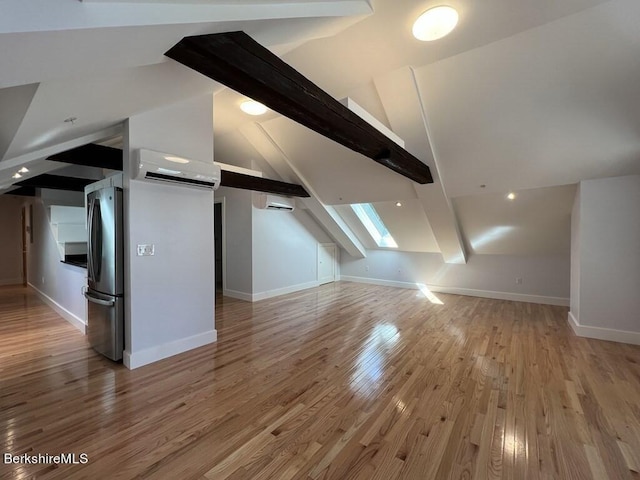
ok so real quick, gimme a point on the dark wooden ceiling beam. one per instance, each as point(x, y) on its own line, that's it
point(239, 62)
point(91, 155)
point(56, 182)
point(259, 184)
point(23, 192)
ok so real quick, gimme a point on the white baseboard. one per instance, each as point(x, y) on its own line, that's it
point(235, 294)
point(160, 352)
point(11, 281)
point(620, 336)
point(514, 297)
point(377, 281)
point(70, 317)
point(283, 291)
point(255, 297)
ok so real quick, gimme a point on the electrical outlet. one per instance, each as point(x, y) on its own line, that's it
point(518, 280)
point(366, 268)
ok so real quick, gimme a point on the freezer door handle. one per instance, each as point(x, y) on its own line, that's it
point(99, 301)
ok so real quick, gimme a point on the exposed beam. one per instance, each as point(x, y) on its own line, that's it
point(258, 184)
point(56, 182)
point(91, 155)
point(239, 62)
point(22, 191)
point(25, 160)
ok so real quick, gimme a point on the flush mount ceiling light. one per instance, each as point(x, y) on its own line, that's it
point(398, 204)
point(16, 176)
point(251, 107)
point(435, 23)
point(23, 170)
point(511, 196)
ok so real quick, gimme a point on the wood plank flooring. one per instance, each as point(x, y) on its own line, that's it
point(346, 381)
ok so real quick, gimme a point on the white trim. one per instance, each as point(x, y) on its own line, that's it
point(256, 297)
point(377, 281)
point(620, 336)
point(70, 317)
point(471, 292)
point(160, 352)
point(235, 294)
point(283, 291)
point(11, 281)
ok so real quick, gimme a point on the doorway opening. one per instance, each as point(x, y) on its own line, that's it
point(27, 221)
point(219, 244)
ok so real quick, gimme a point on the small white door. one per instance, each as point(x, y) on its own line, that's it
point(327, 263)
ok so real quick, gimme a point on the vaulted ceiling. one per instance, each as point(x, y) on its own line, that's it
point(530, 96)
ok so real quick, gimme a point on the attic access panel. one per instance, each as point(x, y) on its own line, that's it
point(239, 62)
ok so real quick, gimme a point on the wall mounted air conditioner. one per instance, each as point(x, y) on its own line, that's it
point(164, 167)
point(275, 202)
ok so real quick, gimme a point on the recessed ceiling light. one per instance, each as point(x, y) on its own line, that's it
point(511, 196)
point(435, 23)
point(23, 170)
point(16, 175)
point(398, 204)
point(252, 107)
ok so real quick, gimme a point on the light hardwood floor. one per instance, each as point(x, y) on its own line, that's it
point(346, 381)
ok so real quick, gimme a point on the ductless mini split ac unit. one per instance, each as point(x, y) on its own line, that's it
point(276, 202)
point(164, 167)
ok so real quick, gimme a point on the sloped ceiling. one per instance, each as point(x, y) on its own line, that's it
point(520, 97)
point(530, 96)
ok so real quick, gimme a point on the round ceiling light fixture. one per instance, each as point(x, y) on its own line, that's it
point(251, 107)
point(435, 23)
point(511, 196)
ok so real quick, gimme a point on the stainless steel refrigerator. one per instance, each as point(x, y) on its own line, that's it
point(105, 268)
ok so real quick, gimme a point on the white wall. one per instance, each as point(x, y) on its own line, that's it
point(10, 240)
point(545, 279)
point(268, 253)
point(169, 296)
point(58, 283)
point(608, 259)
point(285, 251)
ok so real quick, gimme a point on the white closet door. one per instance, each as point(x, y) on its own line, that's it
point(327, 262)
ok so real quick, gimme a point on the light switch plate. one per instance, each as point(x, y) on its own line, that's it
point(146, 250)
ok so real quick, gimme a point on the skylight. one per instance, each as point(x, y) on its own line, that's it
point(374, 225)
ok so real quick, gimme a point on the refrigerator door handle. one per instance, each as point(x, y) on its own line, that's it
point(98, 242)
point(90, 242)
point(99, 301)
